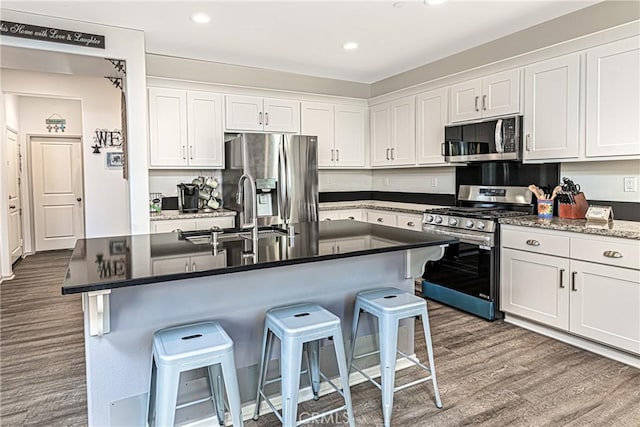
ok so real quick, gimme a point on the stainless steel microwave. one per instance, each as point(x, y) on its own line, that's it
point(496, 139)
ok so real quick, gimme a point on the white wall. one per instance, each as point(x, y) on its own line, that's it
point(106, 192)
point(165, 181)
point(604, 180)
point(344, 180)
point(11, 111)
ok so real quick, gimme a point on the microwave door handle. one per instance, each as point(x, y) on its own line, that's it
point(498, 137)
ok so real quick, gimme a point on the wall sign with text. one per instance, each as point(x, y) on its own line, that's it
point(49, 34)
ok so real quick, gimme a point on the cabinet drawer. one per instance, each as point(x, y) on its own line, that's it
point(171, 225)
point(533, 240)
point(354, 215)
point(616, 252)
point(382, 218)
point(222, 222)
point(329, 215)
point(410, 222)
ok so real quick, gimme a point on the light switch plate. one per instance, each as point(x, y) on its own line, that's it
point(630, 184)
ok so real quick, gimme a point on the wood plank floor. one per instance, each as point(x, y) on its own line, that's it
point(489, 373)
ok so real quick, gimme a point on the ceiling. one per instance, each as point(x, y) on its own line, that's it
point(306, 37)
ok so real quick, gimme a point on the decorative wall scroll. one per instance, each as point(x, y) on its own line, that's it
point(106, 138)
point(56, 122)
point(49, 34)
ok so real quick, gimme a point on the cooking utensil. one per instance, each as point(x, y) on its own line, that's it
point(555, 191)
point(536, 191)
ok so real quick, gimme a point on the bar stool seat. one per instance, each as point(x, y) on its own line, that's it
point(301, 327)
point(183, 348)
point(389, 306)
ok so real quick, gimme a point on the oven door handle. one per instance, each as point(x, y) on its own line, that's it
point(463, 237)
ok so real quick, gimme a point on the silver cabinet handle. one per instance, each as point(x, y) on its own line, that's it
point(260, 118)
point(411, 224)
point(186, 267)
point(476, 103)
point(573, 281)
point(528, 144)
point(484, 102)
point(532, 242)
point(193, 266)
point(191, 152)
point(332, 154)
point(266, 119)
point(380, 220)
point(388, 154)
point(337, 155)
point(352, 218)
point(612, 254)
point(184, 154)
point(562, 278)
point(393, 154)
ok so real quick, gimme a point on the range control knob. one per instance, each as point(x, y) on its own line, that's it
point(438, 220)
point(480, 225)
point(468, 224)
point(453, 221)
point(429, 218)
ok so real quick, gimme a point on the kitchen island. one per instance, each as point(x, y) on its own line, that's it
point(135, 285)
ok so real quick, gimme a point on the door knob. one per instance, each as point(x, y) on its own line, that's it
point(79, 199)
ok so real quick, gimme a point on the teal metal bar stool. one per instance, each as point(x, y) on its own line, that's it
point(183, 348)
point(299, 326)
point(389, 306)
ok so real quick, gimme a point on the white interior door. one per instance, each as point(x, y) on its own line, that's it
point(57, 192)
point(15, 204)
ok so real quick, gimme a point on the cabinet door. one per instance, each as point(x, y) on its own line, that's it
point(605, 304)
point(501, 94)
point(167, 127)
point(613, 100)
point(350, 130)
point(205, 133)
point(350, 245)
point(552, 108)
point(318, 119)
point(281, 115)
point(432, 118)
point(243, 113)
point(171, 265)
point(464, 101)
point(170, 225)
point(403, 131)
point(208, 261)
point(535, 286)
point(380, 135)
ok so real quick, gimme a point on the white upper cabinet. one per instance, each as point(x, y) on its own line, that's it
point(552, 109)
point(431, 119)
point(185, 129)
point(341, 133)
point(490, 96)
point(613, 99)
point(251, 113)
point(393, 133)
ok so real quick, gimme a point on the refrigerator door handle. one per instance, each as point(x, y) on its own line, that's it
point(287, 163)
point(285, 179)
point(282, 185)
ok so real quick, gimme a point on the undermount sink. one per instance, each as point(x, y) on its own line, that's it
point(204, 238)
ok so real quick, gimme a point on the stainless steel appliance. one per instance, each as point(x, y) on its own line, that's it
point(496, 139)
point(285, 171)
point(188, 198)
point(468, 275)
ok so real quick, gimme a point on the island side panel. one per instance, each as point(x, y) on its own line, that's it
point(118, 363)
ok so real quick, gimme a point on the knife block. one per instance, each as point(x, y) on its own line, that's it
point(576, 210)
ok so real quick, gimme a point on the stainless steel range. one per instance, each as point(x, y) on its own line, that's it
point(468, 275)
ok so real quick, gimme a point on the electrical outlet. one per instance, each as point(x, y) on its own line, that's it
point(630, 184)
point(434, 181)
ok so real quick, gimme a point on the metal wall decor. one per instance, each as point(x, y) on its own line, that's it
point(55, 122)
point(104, 138)
point(49, 34)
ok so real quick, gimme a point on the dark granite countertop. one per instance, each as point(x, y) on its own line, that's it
point(616, 228)
point(114, 262)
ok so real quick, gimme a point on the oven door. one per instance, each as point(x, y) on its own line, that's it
point(465, 278)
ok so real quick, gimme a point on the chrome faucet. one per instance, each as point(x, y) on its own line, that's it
point(254, 205)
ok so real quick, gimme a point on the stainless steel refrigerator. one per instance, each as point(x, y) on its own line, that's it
point(285, 170)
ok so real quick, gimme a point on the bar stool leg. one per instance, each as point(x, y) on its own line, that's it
point(233, 391)
point(167, 380)
point(343, 369)
point(354, 332)
point(217, 390)
point(388, 350)
point(432, 365)
point(290, 358)
point(264, 360)
point(313, 352)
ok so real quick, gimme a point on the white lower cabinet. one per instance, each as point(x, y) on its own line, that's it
point(409, 221)
point(352, 214)
point(188, 264)
point(382, 218)
point(168, 226)
point(593, 291)
point(340, 246)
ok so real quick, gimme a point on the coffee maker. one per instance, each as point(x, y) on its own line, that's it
point(188, 198)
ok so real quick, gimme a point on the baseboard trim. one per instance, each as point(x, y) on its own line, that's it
point(9, 277)
point(594, 347)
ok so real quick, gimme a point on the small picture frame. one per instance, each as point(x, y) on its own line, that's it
point(117, 247)
point(115, 159)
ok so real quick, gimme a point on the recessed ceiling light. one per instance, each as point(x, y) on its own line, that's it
point(434, 2)
point(350, 46)
point(201, 18)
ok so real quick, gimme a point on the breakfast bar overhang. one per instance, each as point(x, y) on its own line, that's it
point(133, 286)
